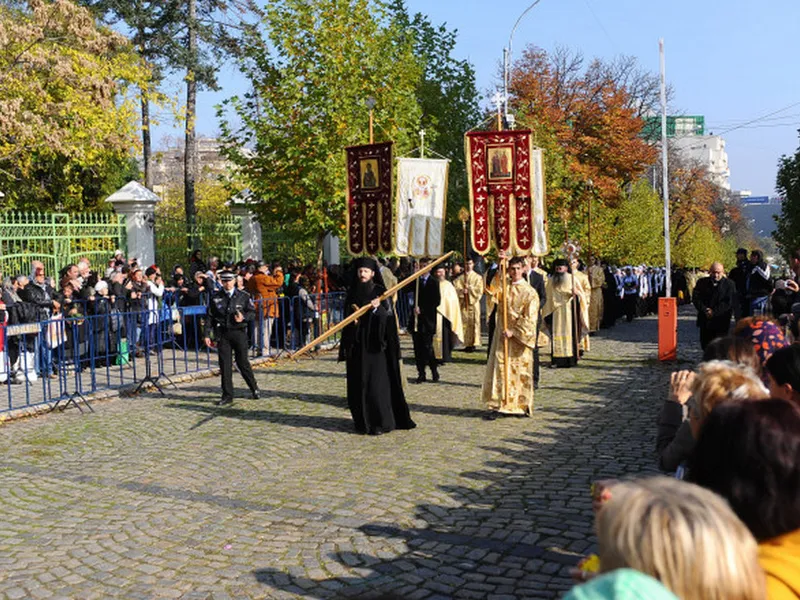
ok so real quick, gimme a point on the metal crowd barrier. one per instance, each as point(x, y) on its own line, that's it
point(67, 358)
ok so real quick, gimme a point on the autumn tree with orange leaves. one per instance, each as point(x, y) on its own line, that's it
point(588, 119)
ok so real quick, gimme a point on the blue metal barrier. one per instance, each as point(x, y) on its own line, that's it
point(55, 360)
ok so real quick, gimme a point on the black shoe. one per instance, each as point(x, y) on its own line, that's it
point(223, 401)
point(492, 415)
point(376, 432)
point(421, 379)
point(469, 349)
point(255, 394)
point(435, 376)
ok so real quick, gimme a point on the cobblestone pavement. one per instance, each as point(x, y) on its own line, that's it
point(277, 498)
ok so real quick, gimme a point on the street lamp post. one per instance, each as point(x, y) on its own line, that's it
point(507, 54)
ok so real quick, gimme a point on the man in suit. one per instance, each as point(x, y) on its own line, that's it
point(423, 324)
point(714, 297)
point(537, 281)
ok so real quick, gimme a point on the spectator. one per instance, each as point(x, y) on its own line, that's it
point(196, 263)
point(758, 284)
point(749, 453)
point(104, 325)
point(765, 335)
point(41, 294)
point(717, 381)
point(684, 536)
point(21, 349)
point(621, 584)
point(263, 287)
point(783, 374)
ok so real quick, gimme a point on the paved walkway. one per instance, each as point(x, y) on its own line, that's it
point(277, 498)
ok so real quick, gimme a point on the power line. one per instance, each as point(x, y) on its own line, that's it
point(758, 119)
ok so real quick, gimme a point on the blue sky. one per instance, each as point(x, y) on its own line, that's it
point(731, 61)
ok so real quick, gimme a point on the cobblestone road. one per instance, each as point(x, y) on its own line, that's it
point(276, 498)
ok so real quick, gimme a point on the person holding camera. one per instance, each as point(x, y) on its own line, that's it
point(229, 311)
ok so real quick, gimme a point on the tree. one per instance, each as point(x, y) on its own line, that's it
point(153, 26)
point(448, 98)
point(312, 66)
point(587, 120)
point(65, 111)
point(787, 232)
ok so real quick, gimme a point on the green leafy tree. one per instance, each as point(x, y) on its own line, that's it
point(448, 98)
point(66, 115)
point(787, 232)
point(152, 26)
point(312, 66)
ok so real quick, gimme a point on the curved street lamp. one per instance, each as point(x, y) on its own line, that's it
point(507, 53)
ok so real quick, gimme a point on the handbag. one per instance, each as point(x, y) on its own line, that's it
point(55, 331)
point(122, 352)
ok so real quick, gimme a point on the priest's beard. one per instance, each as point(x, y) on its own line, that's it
point(363, 292)
point(559, 278)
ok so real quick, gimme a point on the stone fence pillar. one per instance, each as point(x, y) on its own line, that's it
point(251, 228)
point(137, 204)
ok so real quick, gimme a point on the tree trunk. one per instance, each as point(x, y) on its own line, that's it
point(190, 150)
point(146, 143)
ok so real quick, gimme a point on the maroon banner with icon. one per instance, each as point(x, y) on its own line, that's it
point(500, 190)
point(369, 199)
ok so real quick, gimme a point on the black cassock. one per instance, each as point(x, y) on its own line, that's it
point(371, 349)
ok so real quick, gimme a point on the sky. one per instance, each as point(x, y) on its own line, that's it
point(733, 62)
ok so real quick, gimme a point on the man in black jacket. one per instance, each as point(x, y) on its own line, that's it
point(423, 324)
point(228, 313)
point(714, 297)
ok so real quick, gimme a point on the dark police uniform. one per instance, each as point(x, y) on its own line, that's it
point(231, 338)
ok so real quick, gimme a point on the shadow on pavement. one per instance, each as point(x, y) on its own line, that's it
point(517, 535)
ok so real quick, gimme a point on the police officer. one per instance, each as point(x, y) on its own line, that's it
point(229, 311)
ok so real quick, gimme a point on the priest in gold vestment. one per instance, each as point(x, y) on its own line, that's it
point(449, 329)
point(469, 286)
point(520, 331)
point(597, 278)
point(559, 312)
point(583, 291)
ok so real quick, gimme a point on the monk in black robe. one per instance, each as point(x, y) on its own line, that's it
point(371, 349)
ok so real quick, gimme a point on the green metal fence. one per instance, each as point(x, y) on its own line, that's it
point(58, 239)
point(222, 238)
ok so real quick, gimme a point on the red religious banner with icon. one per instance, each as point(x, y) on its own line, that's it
point(506, 192)
point(369, 199)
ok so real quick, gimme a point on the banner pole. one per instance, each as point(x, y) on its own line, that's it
point(505, 327)
point(363, 310)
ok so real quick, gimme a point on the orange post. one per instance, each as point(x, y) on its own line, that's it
point(667, 329)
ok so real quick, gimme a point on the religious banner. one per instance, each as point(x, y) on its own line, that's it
point(506, 192)
point(421, 203)
point(369, 199)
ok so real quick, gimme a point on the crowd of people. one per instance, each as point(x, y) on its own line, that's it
point(90, 316)
point(725, 520)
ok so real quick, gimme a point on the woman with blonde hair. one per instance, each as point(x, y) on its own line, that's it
point(684, 536)
point(716, 382)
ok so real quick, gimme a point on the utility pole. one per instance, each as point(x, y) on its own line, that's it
point(665, 173)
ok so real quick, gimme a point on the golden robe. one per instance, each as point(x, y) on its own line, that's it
point(450, 310)
point(559, 304)
point(523, 313)
point(469, 288)
point(598, 280)
point(583, 288)
point(544, 339)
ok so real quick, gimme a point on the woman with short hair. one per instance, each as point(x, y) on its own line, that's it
point(749, 453)
point(682, 535)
